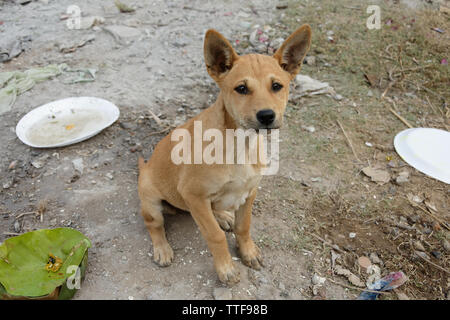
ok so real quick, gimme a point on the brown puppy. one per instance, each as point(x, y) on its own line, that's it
point(254, 93)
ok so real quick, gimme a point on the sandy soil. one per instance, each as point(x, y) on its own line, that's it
point(161, 70)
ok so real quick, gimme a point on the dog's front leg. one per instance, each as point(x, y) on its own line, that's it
point(202, 213)
point(250, 253)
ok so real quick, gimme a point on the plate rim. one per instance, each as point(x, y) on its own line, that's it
point(21, 133)
point(429, 171)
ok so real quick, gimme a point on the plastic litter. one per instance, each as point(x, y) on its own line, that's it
point(387, 283)
point(308, 86)
point(15, 83)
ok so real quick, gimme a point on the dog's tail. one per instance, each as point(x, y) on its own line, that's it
point(141, 163)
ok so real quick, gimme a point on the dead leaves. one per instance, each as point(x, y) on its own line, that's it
point(377, 175)
point(350, 276)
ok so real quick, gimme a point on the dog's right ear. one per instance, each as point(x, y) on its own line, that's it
point(292, 52)
point(219, 55)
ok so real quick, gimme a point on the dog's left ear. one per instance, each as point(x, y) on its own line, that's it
point(293, 50)
point(219, 54)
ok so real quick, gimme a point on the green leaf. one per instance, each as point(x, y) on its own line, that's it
point(23, 260)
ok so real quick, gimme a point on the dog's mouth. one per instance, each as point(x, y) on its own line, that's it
point(268, 129)
point(251, 124)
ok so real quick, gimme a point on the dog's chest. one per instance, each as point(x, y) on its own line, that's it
point(237, 189)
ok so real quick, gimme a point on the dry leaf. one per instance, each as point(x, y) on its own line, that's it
point(377, 175)
point(350, 276)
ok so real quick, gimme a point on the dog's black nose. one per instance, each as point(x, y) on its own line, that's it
point(266, 116)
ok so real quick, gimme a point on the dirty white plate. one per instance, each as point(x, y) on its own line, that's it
point(66, 121)
point(427, 150)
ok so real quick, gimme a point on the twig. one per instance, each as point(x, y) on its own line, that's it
point(349, 141)
point(25, 214)
point(429, 213)
point(356, 288)
point(426, 89)
point(11, 234)
point(432, 263)
point(352, 8)
point(383, 148)
point(158, 132)
point(400, 117)
point(429, 102)
point(326, 242)
point(158, 120)
point(387, 88)
point(413, 69)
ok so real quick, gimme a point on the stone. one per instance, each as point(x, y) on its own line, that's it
point(309, 128)
point(222, 293)
point(40, 162)
point(446, 245)
point(436, 254)
point(125, 125)
point(403, 177)
point(423, 255)
point(78, 165)
point(17, 226)
point(318, 280)
point(402, 296)
point(12, 165)
point(364, 263)
point(123, 32)
point(375, 259)
point(419, 246)
point(310, 60)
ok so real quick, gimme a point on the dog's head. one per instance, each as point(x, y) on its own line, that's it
point(255, 87)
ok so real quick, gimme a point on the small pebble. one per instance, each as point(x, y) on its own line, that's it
point(446, 245)
point(402, 296)
point(364, 263)
point(310, 60)
point(12, 165)
point(403, 177)
point(17, 226)
point(125, 125)
point(318, 280)
point(436, 254)
point(375, 259)
point(423, 255)
point(419, 246)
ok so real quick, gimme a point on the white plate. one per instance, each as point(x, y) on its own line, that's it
point(427, 150)
point(66, 121)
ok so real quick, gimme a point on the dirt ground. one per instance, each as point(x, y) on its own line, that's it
point(304, 215)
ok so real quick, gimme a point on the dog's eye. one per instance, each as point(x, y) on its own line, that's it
point(276, 86)
point(242, 89)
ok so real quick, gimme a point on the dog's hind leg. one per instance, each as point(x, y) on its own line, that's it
point(151, 210)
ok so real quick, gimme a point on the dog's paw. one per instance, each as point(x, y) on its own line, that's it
point(228, 273)
point(163, 255)
point(251, 255)
point(225, 219)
